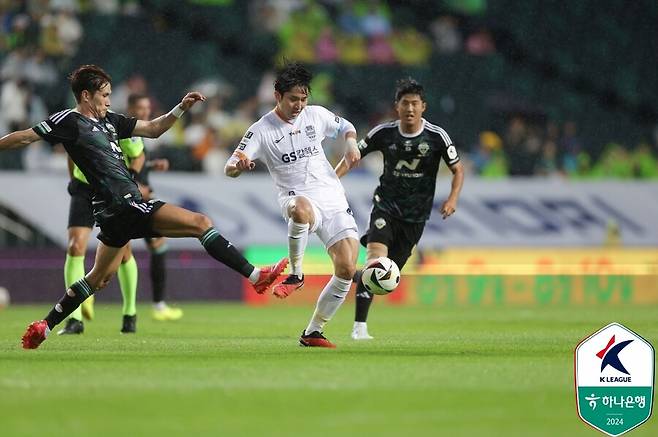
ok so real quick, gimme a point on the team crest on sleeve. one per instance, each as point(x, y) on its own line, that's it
point(380, 223)
point(310, 132)
point(614, 370)
point(43, 127)
point(452, 152)
point(245, 139)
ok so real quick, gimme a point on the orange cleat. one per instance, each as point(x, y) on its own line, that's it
point(35, 334)
point(285, 288)
point(268, 275)
point(315, 339)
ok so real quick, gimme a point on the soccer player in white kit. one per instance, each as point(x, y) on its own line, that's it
point(288, 140)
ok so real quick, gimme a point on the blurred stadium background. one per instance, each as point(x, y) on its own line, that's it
point(553, 110)
point(552, 105)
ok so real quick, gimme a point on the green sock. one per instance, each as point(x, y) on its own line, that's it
point(74, 270)
point(128, 282)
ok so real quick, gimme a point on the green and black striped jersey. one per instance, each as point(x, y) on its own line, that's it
point(93, 147)
point(411, 162)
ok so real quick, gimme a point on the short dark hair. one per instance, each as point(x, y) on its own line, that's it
point(136, 97)
point(88, 77)
point(408, 86)
point(290, 75)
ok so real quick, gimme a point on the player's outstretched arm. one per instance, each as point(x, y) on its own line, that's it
point(158, 126)
point(237, 163)
point(351, 157)
point(450, 205)
point(19, 138)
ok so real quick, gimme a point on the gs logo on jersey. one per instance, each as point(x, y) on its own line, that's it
point(380, 223)
point(423, 148)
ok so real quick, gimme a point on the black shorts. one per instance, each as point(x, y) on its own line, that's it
point(80, 209)
point(399, 236)
point(121, 223)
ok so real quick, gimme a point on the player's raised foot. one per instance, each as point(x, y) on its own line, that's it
point(73, 326)
point(87, 308)
point(269, 274)
point(360, 331)
point(315, 339)
point(129, 325)
point(290, 284)
point(35, 334)
point(163, 313)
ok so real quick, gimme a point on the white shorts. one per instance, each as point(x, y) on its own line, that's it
point(330, 226)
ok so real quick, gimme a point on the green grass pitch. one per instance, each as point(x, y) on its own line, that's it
point(234, 370)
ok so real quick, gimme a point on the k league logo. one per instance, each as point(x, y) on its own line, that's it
point(614, 369)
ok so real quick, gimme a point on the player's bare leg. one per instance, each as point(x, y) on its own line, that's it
point(301, 219)
point(364, 297)
point(173, 221)
point(105, 265)
point(343, 255)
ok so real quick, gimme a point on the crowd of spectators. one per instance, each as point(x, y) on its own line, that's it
point(360, 32)
point(550, 149)
point(39, 39)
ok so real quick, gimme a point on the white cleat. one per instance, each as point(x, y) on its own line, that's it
point(360, 331)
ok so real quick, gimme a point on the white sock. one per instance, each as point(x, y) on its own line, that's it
point(253, 278)
point(362, 325)
point(297, 240)
point(331, 298)
point(160, 306)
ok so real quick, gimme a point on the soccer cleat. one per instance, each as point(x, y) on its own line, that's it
point(87, 308)
point(167, 313)
point(35, 334)
point(129, 325)
point(315, 339)
point(360, 331)
point(285, 288)
point(268, 275)
point(73, 326)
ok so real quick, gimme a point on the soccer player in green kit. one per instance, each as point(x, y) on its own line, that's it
point(90, 133)
point(81, 223)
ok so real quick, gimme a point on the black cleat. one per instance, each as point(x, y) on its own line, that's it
point(290, 284)
point(73, 326)
point(129, 324)
point(315, 339)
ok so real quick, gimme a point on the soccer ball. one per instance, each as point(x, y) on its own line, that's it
point(381, 275)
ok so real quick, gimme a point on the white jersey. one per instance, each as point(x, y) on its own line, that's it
point(292, 151)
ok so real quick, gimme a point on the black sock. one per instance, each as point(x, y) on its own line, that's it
point(223, 251)
point(158, 275)
point(363, 300)
point(68, 304)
